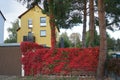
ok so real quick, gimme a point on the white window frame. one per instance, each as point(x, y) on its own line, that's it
point(43, 33)
point(43, 21)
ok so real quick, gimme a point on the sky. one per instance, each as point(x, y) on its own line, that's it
point(11, 9)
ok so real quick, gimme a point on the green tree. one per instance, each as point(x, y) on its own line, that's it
point(75, 40)
point(66, 41)
point(109, 20)
point(111, 43)
point(117, 45)
point(112, 10)
point(91, 23)
point(112, 13)
point(84, 24)
point(12, 37)
point(96, 41)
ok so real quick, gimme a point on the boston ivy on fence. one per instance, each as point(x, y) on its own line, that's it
point(39, 60)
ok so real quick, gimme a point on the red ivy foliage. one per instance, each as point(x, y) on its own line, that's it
point(26, 47)
point(39, 60)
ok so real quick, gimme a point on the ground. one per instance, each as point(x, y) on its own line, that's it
point(2, 77)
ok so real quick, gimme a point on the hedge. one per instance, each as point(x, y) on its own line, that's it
point(39, 60)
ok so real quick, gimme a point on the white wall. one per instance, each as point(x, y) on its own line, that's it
point(1, 29)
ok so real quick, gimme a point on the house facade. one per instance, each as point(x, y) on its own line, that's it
point(35, 27)
point(2, 21)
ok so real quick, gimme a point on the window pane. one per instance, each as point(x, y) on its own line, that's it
point(43, 33)
point(29, 34)
point(29, 21)
point(42, 21)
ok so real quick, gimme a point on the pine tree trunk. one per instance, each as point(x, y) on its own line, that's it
point(91, 27)
point(103, 40)
point(84, 26)
point(53, 34)
point(52, 24)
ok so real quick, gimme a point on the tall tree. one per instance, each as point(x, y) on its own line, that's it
point(59, 16)
point(84, 24)
point(12, 38)
point(103, 40)
point(52, 22)
point(91, 22)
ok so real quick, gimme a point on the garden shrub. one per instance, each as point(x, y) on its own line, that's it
point(39, 60)
point(113, 66)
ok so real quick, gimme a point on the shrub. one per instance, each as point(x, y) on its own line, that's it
point(39, 60)
point(113, 66)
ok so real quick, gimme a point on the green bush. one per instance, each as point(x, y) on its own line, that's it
point(113, 66)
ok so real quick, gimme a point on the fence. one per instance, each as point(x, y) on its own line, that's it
point(10, 59)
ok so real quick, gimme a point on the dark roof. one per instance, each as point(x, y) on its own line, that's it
point(28, 10)
point(2, 15)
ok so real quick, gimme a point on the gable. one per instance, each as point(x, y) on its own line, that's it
point(35, 6)
point(31, 11)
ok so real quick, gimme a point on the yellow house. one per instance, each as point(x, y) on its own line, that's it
point(35, 27)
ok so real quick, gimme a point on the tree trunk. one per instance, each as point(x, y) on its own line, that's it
point(52, 24)
point(84, 26)
point(91, 27)
point(103, 40)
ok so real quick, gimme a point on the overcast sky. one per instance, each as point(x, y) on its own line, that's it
point(11, 9)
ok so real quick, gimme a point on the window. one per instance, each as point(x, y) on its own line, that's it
point(30, 23)
point(25, 38)
point(30, 36)
point(42, 33)
point(42, 21)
